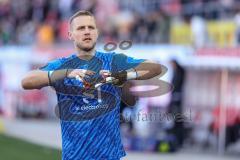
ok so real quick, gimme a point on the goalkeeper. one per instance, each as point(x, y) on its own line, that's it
point(88, 103)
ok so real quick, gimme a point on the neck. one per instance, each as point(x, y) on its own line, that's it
point(86, 55)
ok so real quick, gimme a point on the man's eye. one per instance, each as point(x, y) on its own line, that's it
point(80, 28)
point(91, 27)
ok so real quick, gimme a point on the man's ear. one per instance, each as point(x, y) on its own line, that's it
point(70, 35)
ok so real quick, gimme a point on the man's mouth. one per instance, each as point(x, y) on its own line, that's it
point(87, 39)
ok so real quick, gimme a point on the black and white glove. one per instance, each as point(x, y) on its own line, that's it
point(119, 78)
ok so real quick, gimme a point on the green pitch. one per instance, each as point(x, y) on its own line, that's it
point(15, 149)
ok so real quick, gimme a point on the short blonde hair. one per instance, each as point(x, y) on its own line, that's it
point(80, 13)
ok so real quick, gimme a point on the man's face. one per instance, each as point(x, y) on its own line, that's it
point(83, 32)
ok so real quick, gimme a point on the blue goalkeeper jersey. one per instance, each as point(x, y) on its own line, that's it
point(90, 119)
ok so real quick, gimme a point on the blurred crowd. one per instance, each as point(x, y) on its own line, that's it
point(29, 21)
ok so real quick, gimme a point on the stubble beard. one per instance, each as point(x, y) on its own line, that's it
point(86, 49)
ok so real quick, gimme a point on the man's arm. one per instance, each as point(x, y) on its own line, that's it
point(149, 69)
point(145, 70)
point(126, 68)
point(35, 79)
point(142, 71)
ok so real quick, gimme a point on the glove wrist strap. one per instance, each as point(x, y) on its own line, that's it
point(132, 74)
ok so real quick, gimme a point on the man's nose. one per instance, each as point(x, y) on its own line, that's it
point(87, 31)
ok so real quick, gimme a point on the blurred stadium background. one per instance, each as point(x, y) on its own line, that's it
point(198, 41)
